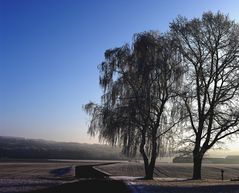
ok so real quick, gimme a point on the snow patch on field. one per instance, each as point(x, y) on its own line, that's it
point(22, 185)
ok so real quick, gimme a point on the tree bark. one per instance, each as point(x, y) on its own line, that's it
point(150, 169)
point(153, 156)
point(149, 173)
point(197, 166)
point(149, 162)
point(143, 153)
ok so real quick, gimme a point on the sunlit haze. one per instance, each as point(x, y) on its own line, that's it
point(50, 49)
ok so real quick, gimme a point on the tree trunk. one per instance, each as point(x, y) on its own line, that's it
point(146, 163)
point(143, 153)
point(149, 173)
point(197, 166)
point(150, 169)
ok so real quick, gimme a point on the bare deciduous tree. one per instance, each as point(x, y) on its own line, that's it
point(138, 83)
point(210, 50)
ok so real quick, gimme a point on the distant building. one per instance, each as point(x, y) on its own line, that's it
point(233, 159)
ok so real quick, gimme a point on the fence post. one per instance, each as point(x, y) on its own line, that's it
point(222, 171)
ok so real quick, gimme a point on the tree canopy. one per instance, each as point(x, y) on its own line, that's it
point(138, 83)
point(210, 96)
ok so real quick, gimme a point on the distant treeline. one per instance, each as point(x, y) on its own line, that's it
point(21, 148)
point(233, 159)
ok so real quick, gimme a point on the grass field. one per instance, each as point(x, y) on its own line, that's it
point(27, 176)
point(23, 176)
point(36, 170)
point(173, 170)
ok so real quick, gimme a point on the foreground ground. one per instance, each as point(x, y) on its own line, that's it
point(170, 178)
point(89, 186)
point(142, 186)
point(170, 185)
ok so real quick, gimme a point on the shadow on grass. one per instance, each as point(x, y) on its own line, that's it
point(90, 180)
point(88, 186)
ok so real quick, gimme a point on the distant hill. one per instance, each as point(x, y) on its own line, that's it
point(21, 148)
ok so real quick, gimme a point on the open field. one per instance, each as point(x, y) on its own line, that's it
point(173, 170)
point(28, 176)
point(23, 176)
point(37, 170)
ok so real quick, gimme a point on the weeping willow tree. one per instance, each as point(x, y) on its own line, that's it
point(137, 109)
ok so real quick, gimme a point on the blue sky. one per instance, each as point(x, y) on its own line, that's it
point(50, 49)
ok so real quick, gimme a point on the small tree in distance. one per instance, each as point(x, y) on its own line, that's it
point(139, 86)
point(210, 97)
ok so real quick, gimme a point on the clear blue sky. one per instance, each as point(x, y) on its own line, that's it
point(50, 49)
